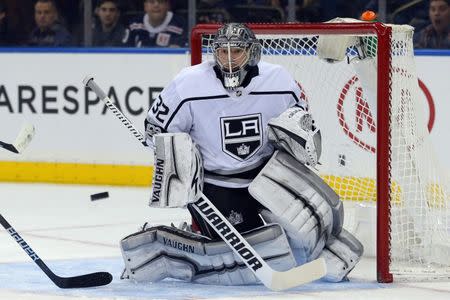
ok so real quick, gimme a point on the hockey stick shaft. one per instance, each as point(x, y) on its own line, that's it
point(270, 278)
point(82, 281)
point(89, 82)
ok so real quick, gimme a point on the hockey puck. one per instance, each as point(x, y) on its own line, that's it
point(99, 196)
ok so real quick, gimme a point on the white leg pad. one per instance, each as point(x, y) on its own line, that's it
point(341, 255)
point(307, 245)
point(300, 201)
point(161, 252)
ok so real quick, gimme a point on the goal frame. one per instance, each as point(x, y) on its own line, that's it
point(383, 137)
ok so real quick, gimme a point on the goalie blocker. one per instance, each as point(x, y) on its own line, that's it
point(178, 174)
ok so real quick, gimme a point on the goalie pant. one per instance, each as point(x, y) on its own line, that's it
point(160, 252)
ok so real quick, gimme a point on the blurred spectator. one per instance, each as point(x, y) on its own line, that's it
point(312, 10)
point(48, 32)
point(437, 34)
point(275, 3)
point(257, 11)
point(108, 32)
point(159, 27)
point(4, 40)
point(213, 11)
point(205, 4)
point(71, 12)
point(330, 9)
point(208, 11)
point(18, 22)
point(400, 11)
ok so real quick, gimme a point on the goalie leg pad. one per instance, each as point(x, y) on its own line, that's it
point(161, 252)
point(341, 254)
point(305, 246)
point(178, 173)
point(300, 201)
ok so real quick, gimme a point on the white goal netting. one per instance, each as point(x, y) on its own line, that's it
point(342, 97)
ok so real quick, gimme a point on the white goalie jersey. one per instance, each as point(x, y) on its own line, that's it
point(230, 128)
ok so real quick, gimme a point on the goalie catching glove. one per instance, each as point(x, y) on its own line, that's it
point(294, 132)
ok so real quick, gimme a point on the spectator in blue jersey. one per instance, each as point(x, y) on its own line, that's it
point(108, 32)
point(159, 27)
point(49, 32)
point(437, 34)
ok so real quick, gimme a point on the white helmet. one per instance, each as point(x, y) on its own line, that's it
point(235, 50)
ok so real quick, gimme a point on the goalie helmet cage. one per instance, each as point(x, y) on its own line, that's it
point(376, 148)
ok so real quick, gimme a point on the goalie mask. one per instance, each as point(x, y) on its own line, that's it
point(235, 50)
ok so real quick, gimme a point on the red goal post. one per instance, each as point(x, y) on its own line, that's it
point(385, 71)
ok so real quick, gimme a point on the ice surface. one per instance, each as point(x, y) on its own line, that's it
point(75, 236)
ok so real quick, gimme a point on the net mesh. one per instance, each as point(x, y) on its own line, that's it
point(342, 98)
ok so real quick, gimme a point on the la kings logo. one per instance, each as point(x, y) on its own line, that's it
point(241, 135)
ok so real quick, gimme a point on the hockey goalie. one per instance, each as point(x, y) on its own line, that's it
point(235, 130)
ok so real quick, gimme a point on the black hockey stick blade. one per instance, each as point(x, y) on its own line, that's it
point(8, 147)
point(82, 281)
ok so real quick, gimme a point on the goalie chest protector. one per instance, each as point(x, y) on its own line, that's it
point(228, 126)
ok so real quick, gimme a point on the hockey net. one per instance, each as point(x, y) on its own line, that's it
point(377, 154)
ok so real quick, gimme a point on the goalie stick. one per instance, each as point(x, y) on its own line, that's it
point(272, 279)
point(89, 82)
point(82, 281)
point(23, 139)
